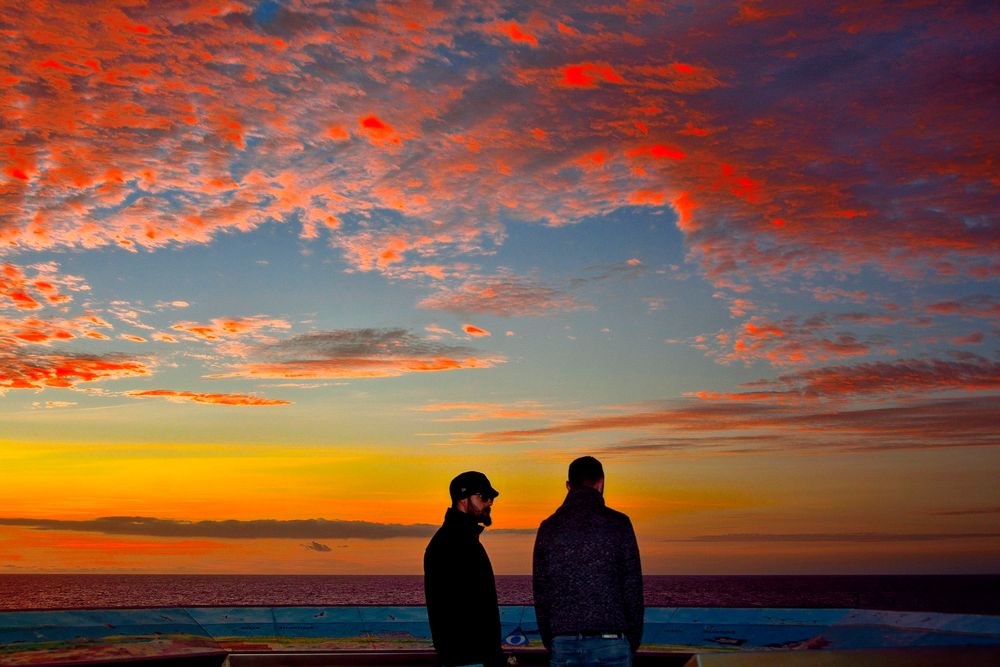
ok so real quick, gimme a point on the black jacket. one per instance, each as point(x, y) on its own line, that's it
point(586, 571)
point(462, 594)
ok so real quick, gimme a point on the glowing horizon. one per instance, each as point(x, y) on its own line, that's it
point(273, 272)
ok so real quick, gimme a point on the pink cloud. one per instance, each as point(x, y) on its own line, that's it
point(981, 306)
point(505, 295)
point(974, 338)
point(838, 294)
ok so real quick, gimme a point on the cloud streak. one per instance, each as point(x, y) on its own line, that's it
point(242, 400)
point(231, 529)
point(882, 379)
point(312, 529)
point(856, 538)
point(357, 353)
point(724, 427)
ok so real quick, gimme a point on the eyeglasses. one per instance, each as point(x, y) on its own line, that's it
point(485, 497)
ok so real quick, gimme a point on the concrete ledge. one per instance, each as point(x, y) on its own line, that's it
point(525, 658)
point(905, 657)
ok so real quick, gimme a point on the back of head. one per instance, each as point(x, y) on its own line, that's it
point(585, 471)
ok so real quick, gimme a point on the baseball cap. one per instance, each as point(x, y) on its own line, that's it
point(470, 483)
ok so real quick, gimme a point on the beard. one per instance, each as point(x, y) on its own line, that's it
point(483, 517)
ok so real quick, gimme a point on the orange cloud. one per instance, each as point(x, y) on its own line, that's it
point(378, 131)
point(474, 412)
point(685, 207)
point(38, 331)
point(515, 33)
point(337, 133)
point(473, 330)
point(588, 75)
point(212, 399)
point(223, 328)
point(43, 287)
point(97, 113)
point(65, 370)
point(648, 197)
point(886, 379)
point(593, 159)
point(49, 405)
point(659, 151)
point(676, 77)
point(791, 341)
point(388, 249)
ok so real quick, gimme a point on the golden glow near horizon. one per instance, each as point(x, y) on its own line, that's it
point(272, 274)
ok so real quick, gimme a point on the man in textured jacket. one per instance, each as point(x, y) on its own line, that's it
point(458, 579)
point(587, 578)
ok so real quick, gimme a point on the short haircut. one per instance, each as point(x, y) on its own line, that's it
point(585, 471)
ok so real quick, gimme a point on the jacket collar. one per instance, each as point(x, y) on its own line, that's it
point(584, 497)
point(462, 521)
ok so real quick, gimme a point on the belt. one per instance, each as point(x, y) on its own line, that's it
point(592, 635)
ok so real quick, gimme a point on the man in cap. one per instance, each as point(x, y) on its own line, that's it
point(458, 579)
point(586, 577)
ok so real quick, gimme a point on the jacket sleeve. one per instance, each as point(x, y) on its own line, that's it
point(542, 588)
point(461, 633)
point(632, 588)
point(441, 597)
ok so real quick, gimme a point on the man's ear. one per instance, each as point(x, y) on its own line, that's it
point(600, 485)
point(462, 505)
point(568, 487)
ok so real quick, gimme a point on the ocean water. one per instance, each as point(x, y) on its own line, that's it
point(972, 594)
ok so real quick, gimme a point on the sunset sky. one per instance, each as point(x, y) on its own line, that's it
point(272, 273)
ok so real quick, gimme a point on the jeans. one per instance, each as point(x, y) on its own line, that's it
point(590, 651)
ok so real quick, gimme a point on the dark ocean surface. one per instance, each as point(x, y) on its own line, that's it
point(973, 594)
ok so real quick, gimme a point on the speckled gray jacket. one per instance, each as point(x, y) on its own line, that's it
point(586, 575)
